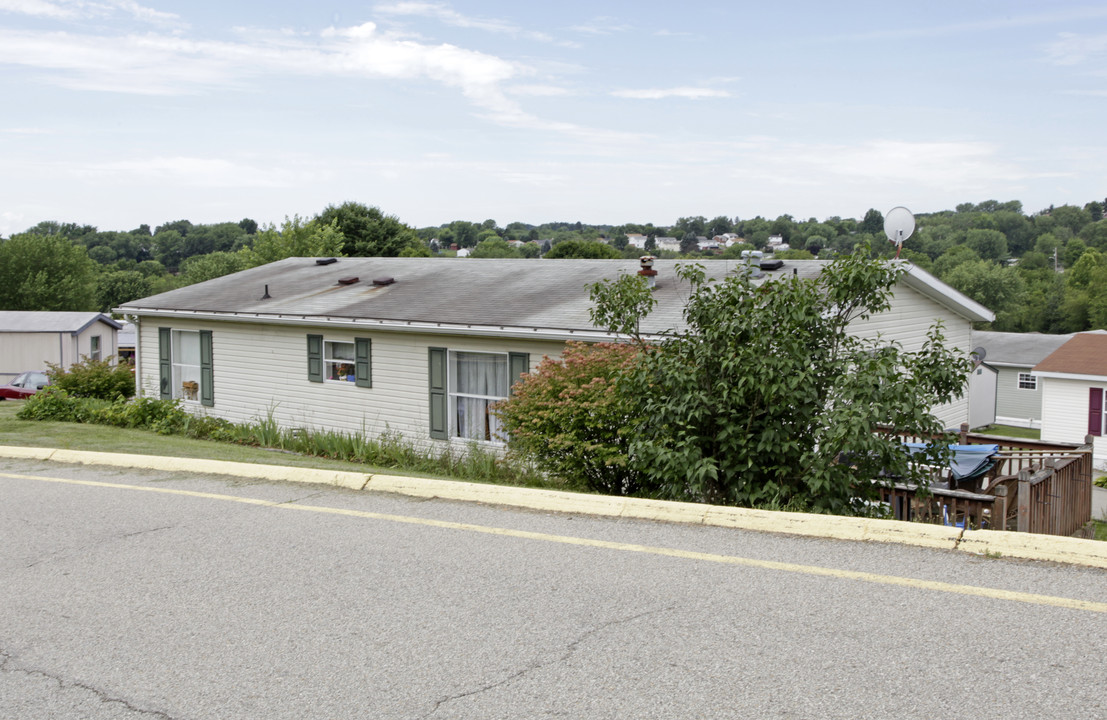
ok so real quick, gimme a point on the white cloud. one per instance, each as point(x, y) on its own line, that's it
point(11, 222)
point(40, 8)
point(1001, 22)
point(1073, 49)
point(192, 172)
point(161, 64)
point(601, 26)
point(78, 9)
point(443, 13)
point(538, 90)
point(687, 93)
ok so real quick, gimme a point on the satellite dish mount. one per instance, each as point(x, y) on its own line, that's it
point(899, 223)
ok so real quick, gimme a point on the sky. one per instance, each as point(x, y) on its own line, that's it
point(117, 113)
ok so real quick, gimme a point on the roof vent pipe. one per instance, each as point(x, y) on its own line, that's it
point(266, 296)
point(751, 260)
point(647, 270)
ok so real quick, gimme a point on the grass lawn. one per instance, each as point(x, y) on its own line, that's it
point(1010, 431)
point(102, 438)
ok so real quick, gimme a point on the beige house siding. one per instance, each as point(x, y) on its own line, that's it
point(20, 351)
point(906, 322)
point(262, 368)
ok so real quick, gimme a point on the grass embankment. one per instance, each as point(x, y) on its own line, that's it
point(1010, 431)
point(103, 438)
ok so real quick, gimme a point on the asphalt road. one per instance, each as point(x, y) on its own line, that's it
point(129, 594)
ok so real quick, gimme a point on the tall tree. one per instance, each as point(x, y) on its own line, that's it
point(367, 231)
point(295, 238)
point(45, 272)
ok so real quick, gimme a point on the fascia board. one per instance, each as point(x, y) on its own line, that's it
point(556, 334)
point(936, 290)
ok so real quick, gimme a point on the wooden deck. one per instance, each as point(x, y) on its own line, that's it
point(1036, 487)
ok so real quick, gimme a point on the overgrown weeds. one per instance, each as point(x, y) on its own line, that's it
point(388, 450)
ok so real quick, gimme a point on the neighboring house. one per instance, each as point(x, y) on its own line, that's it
point(705, 244)
point(667, 243)
point(29, 340)
point(1074, 392)
point(125, 341)
point(420, 346)
point(1018, 393)
point(637, 240)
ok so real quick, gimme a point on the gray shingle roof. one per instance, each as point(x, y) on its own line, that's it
point(544, 294)
point(29, 321)
point(1023, 349)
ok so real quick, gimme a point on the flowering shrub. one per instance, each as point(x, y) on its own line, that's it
point(570, 419)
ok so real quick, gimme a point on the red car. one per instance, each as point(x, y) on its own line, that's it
point(26, 385)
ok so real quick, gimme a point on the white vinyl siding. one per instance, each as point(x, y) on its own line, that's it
point(906, 322)
point(261, 369)
point(1016, 405)
point(1065, 413)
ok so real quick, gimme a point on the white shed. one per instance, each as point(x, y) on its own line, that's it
point(29, 340)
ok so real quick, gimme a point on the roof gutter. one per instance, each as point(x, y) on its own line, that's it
point(943, 294)
point(1070, 376)
point(555, 334)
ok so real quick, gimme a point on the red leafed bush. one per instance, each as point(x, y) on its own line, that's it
point(570, 419)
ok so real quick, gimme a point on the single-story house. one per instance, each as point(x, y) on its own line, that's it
point(29, 340)
point(423, 346)
point(671, 244)
point(126, 340)
point(1074, 386)
point(1018, 393)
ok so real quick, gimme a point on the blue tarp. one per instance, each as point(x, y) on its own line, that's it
point(967, 461)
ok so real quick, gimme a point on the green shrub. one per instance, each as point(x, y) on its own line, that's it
point(94, 379)
point(163, 416)
point(49, 403)
point(570, 417)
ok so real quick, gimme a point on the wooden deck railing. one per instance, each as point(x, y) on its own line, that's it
point(972, 511)
point(1037, 487)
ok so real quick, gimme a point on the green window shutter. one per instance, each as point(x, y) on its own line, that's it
point(315, 358)
point(207, 391)
point(165, 363)
point(363, 362)
point(439, 424)
point(517, 364)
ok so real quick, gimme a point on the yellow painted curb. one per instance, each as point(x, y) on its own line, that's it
point(1032, 546)
point(354, 481)
point(22, 453)
point(981, 542)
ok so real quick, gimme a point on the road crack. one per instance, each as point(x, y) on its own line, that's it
point(570, 649)
point(7, 666)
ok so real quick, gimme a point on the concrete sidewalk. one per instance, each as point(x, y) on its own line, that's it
point(981, 542)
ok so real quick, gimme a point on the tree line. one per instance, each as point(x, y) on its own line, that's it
point(1044, 272)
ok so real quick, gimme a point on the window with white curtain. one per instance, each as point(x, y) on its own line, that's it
point(477, 381)
point(186, 364)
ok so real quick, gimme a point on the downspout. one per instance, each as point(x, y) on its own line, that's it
point(138, 354)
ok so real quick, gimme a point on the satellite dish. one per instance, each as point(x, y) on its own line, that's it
point(978, 354)
point(899, 223)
